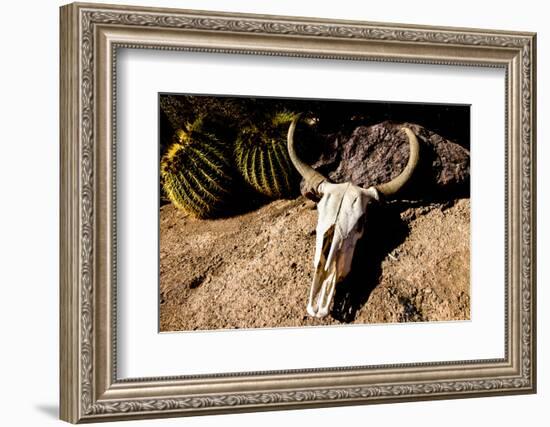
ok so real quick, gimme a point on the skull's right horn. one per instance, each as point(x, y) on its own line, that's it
point(392, 187)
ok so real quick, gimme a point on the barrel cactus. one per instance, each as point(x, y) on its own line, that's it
point(262, 158)
point(197, 173)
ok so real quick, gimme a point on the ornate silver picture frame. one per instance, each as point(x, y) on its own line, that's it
point(91, 36)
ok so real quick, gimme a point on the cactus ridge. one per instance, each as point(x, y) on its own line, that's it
point(196, 174)
point(281, 154)
point(253, 169)
point(262, 158)
point(276, 185)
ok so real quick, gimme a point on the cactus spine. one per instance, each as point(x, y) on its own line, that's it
point(262, 158)
point(196, 173)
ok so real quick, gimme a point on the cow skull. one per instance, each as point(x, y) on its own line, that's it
point(342, 211)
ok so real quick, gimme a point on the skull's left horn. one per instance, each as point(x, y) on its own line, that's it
point(390, 188)
point(310, 175)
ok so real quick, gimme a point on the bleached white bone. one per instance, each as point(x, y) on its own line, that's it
point(341, 215)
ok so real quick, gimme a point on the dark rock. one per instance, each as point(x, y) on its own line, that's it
point(375, 154)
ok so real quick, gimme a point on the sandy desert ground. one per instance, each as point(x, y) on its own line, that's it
point(254, 270)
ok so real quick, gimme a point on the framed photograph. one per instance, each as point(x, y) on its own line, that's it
point(267, 212)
